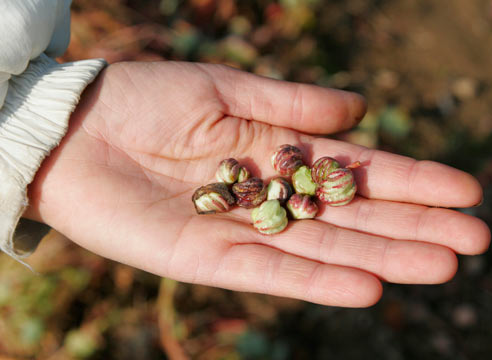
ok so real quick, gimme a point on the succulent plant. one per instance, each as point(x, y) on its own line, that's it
point(287, 159)
point(243, 175)
point(303, 182)
point(269, 217)
point(338, 189)
point(213, 198)
point(250, 193)
point(302, 207)
point(322, 168)
point(279, 189)
point(228, 171)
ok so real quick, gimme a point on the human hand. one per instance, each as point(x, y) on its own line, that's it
point(146, 135)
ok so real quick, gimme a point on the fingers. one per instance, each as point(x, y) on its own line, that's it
point(383, 175)
point(218, 251)
point(462, 233)
point(393, 177)
point(306, 108)
point(259, 268)
point(397, 261)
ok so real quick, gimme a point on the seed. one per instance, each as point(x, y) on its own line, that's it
point(287, 159)
point(279, 189)
point(302, 207)
point(212, 198)
point(249, 193)
point(228, 171)
point(338, 189)
point(269, 217)
point(303, 182)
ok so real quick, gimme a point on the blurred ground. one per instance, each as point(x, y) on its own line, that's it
point(425, 67)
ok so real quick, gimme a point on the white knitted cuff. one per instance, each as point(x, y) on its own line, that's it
point(33, 120)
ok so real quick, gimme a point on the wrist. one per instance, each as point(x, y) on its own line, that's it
point(34, 120)
point(44, 186)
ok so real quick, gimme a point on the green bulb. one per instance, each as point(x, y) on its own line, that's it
point(269, 217)
point(303, 182)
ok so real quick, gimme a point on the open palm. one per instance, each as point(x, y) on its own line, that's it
point(146, 135)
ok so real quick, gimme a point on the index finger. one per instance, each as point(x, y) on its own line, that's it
point(383, 175)
point(303, 107)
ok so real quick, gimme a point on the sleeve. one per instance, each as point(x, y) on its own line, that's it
point(37, 96)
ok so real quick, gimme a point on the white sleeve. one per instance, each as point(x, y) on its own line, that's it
point(37, 96)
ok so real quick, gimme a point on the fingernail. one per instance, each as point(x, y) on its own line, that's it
point(480, 203)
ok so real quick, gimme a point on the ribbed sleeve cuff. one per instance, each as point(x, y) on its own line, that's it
point(33, 120)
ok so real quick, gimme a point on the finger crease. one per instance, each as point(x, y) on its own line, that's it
point(311, 281)
point(297, 109)
point(412, 173)
point(419, 224)
point(384, 260)
point(329, 243)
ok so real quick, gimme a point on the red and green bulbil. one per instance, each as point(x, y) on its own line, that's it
point(325, 180)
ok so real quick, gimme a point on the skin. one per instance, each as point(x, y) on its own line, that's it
point(146, 135)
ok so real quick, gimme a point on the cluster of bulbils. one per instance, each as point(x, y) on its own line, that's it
point(326, 180)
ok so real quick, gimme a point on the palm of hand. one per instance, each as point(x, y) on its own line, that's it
point(145, 136)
